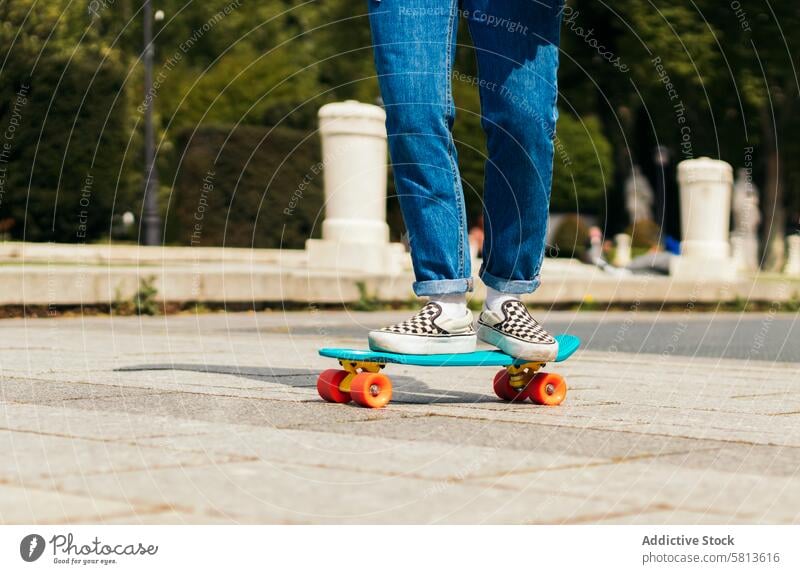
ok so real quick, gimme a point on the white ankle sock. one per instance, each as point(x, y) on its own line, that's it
point(495, 299)
point(453, 305)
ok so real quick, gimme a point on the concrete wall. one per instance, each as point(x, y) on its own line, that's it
point(49, 274)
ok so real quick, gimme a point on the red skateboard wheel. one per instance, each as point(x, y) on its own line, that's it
point(547, 389)
point(372, 390)
point(504, 390)
point(328, 386)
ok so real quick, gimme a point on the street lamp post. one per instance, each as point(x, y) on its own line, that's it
point(152, 218)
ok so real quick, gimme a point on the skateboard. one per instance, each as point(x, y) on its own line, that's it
point(361, 381)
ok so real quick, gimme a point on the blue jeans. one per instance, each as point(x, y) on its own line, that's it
point(516, 43)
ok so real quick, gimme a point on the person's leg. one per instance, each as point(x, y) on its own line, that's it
point(516, 43)
point(414, 44)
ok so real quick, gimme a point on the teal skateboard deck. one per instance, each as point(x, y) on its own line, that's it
point(360, 379)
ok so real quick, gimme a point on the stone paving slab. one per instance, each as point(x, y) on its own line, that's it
point(215, 419)
point(160, 516)
point(669, 516)
point(283, 493)
point(31, 505)
point(236, 410)
point(36, 457)
point(39, 391)
point(429, 460)
point(644, 484)
point(60, 420)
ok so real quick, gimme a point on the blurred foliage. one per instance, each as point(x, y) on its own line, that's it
point(246, 186)
point(583, 163)
point(644, 234)
point(583, 167)
point(231, 68)
point(65, 121)
point(571, 237)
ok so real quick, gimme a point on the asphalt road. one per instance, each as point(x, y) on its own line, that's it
point(749, 336)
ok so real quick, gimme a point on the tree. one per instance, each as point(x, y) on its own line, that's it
point(64, 107)
point(766, 66)
point(583, 165)
point(734, 70)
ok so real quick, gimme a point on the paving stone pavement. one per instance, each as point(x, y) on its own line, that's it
point(215, 419)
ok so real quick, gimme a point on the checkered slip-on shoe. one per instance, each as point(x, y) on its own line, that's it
point(426, 333)
point(516, 333)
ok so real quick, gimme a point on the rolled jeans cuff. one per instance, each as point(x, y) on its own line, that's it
point(442, 287)
point(510, 286)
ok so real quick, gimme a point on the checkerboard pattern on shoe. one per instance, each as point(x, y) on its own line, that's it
point(519, 324)
point(422, 323)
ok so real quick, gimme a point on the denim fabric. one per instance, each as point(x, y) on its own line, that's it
point(516, 44)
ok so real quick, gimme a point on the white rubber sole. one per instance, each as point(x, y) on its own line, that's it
point(421, 345)
point(516, 348)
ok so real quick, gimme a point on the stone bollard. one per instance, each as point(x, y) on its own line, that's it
point(622, 254)
point(793, 259)
point(705, 187)
point(355, 235)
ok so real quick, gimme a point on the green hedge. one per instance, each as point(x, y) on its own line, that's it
point(223, 196)
point(64, 156)
point(250, 187)
point(583, 166)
